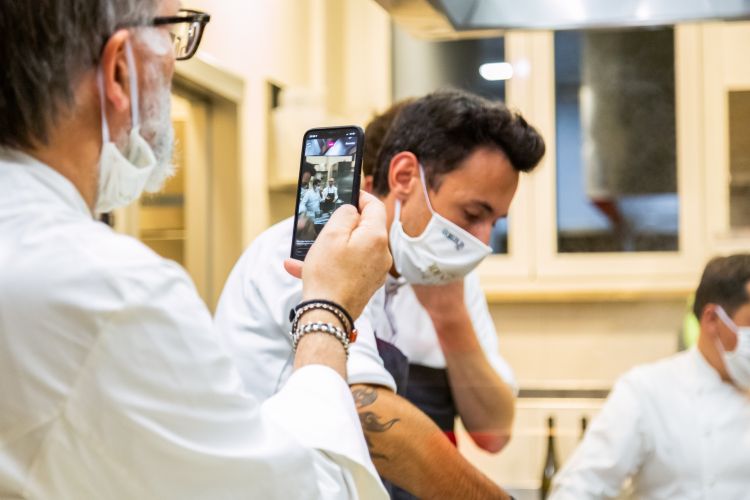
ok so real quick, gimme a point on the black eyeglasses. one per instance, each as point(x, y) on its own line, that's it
point(185, 29)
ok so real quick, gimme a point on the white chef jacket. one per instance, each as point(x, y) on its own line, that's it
point(253, 318)
point(673, 426)
point(331, 190)
point(310, 203)
point(113, 384)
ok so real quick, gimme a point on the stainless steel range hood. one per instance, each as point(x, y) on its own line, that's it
point(438, 18)
point(428, 20)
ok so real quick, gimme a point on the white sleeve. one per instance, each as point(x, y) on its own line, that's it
point(611, 451)
point(365, 366)
point(171, 413)
point(484, 327)
point(252, 315)
point(253, 318)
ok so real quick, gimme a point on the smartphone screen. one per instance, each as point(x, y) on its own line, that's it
point(329, 177)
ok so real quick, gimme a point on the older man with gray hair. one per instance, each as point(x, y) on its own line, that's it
point(112, 381)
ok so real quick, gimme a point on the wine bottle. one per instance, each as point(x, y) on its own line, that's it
point(584, 426)
point(550, 463)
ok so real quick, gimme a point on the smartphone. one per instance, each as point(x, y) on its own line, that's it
point(329, 177)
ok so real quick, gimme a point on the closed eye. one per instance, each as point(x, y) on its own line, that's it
point(472, 217)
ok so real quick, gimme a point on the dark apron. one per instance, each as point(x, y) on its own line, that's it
point(427, 388)
point(396, 363)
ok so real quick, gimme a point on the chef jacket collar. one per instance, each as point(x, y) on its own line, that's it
point(56, 183)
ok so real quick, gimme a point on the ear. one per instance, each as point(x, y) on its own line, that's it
point(115, 72)
point(404, 167)
point(709, 320)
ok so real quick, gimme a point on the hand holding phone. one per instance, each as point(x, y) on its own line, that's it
point(329, 177)
point(350, 260)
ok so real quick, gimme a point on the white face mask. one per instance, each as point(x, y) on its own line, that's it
point(124, 175)
point(442, 253)
point(737, 361)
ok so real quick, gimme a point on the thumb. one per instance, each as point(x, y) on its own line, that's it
point(345, 218)
point(293, 267)
point(373, 212)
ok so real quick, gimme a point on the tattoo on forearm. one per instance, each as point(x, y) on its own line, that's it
point(364, 396)
point(371, 421)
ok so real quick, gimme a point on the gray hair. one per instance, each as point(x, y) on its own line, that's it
point(45, 48)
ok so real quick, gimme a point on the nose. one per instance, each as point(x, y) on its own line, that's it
point(482, 231)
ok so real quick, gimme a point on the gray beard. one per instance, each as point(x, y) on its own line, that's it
point(156, 108)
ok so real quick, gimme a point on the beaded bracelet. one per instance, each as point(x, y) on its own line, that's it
point(321, 327)
point(335, 309)
point(333, 305)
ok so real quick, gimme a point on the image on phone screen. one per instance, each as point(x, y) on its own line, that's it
point(329, 178)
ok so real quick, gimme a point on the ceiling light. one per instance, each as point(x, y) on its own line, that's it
point(496, 71)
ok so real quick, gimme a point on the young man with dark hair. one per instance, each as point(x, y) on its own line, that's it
point(447, 210)
point(454, 125)
point(680, 427)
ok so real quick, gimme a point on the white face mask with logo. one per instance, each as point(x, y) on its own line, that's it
point(123, 175)
point(443, 252)
point(737, 361)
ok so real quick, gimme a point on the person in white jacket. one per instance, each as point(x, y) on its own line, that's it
point(680, 427)
point(113, 383)
point(428, 352)
point(331, 191)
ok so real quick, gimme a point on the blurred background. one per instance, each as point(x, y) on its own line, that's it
point(646, 114)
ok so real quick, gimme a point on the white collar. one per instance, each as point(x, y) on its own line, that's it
point(393, 284)
point(706, 375)
point(57, 184)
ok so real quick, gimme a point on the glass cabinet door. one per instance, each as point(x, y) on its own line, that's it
point(726, 105)
point(739, 160)
point(616, 141)
point(616, 206)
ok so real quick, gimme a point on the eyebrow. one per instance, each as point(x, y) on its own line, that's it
point(487, 208)
point(483, 204)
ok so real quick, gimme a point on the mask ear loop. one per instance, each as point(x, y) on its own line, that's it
point(135, 113)
point(134, 107)
point(424, 188)
point(397, 214)
point(102, 105)
point(724, 317)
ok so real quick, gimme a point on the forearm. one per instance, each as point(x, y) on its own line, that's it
point(410, 451)
point(321, 348)
point(484, 401)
